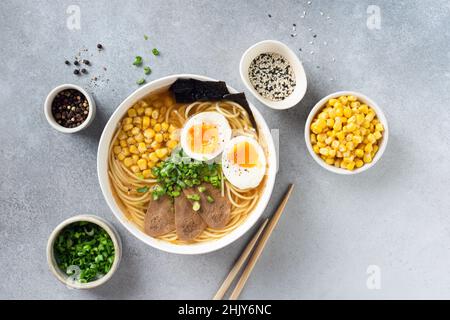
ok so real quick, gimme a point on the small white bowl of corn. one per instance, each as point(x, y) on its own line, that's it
point(346, 132)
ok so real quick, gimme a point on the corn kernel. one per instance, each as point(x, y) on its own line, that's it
point(155, 114)
point(315, 128)
point(148, 111)
point(147, 173)
point(132, 112)
point(359, 163)
point(364, 108)
point(128, 161)
point(377, 135)
point(343, 100)
point(337, 163)
point(347, 112)
point(340, 135)
point(157, 127)
point(371, 138)
point(127, 127)
point(142, 147)
point(135, 131)
point(379, 127)
point(152, 122)
point(330, 123)
point(142, 163)
point(123, 143)
point(149, 133)
point(350, 165)
point(137, 121)
point(332, 153)
point(151, 164)
point(367, 158)
point(321, 137)
point(135, 168)
point(134, 149)
point(126, 151)
point(164, 126)
point(140, 111)
point(139, 137)
point(117, 150)
point(155, 145)
point(131, 140)
point(331, 102)
point(357, 139)
point(312, 136)
point(323, 151)
point(145, 122)
point(135, 158)
point(172, 128)
point(161, 153)
point(153, 157)
point(359, 153)
point(121, 156)
point(159, 137)
point(321, 144)
point(316, 149)
point(171, 144)
point(323, 115)
point(329, 140)
point(329, 161)
point(335, 144)
point(351, 98)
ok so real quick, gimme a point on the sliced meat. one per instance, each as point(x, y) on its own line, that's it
point(160, 217)
point(216, 214)
point(188, 223)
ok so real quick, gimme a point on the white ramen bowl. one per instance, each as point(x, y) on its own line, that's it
point(195, 248)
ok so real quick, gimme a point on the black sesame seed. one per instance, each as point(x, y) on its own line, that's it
point(76, 63)
point(270, 16)
point(67, 62)
point(315, 36)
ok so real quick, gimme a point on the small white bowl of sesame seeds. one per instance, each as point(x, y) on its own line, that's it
point(273, 73)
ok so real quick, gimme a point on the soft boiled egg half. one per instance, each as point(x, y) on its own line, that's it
point(244, 162)
point(205, 135)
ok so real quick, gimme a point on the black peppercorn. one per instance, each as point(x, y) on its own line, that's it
point(67, 62)
point(83, 71)
point(76, 63)
point(86, 62)
point(99, 46)
point(76, 71)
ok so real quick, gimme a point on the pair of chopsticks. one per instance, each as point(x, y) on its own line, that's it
point(266, 232)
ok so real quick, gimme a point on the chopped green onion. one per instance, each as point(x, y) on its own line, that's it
point(147, 70)
point(143, 189)
point(196, 206)
point(195, 197)
point(137, 61)
point(201, 189)
point(145, 37)
point(140, 81)
point(155, 52)
point(210, 199)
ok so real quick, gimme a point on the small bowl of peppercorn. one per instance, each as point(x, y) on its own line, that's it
point(69, 108)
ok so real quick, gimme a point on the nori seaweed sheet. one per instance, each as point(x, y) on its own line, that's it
point(191, 90)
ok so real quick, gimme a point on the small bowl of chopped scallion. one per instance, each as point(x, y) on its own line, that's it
point(84, 251)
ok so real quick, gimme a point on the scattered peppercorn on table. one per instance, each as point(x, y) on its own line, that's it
point(346, 133)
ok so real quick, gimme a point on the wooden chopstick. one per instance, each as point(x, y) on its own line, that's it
point(238, 265)
point(260, 246)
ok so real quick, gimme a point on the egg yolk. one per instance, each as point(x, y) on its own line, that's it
point(203, 138)
point(244, 155)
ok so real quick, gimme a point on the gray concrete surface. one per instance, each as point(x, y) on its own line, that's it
point(395, 216)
